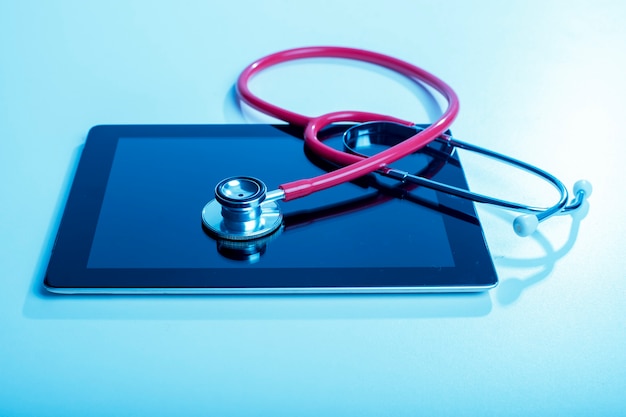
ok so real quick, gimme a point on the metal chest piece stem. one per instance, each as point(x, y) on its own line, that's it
point(242, 210)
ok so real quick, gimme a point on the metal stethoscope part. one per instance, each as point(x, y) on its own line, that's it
point(244, 210)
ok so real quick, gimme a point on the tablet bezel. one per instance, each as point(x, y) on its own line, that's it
point(68, 273)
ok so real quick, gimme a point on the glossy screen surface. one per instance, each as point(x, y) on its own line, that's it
point(139, 196)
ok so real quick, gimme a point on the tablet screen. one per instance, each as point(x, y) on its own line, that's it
point(135, 218)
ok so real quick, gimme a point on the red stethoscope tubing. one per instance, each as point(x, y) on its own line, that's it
point(355, 166)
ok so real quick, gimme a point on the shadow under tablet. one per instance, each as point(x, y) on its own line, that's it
point(132, 220)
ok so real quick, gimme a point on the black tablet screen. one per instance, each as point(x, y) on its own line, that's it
point(157, 188)
point(148, 187)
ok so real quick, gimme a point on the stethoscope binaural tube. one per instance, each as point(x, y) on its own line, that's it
point(523, 225)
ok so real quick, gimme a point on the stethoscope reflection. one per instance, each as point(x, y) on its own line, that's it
point(431, 159)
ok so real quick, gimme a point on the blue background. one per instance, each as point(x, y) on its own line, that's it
point(543, 81)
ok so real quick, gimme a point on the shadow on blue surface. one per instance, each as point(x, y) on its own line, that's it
point(512, 288)
point(42, 305)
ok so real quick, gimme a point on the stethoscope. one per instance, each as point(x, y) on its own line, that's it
point(243, 208)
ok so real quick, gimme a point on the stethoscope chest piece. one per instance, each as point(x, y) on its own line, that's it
point(240, 210)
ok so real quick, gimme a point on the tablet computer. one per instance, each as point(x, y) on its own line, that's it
point(132, 222)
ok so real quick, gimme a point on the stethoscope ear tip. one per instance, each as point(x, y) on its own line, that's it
point(525, 225)
point(584, 186)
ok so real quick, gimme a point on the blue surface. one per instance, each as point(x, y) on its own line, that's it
point(542, 81)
